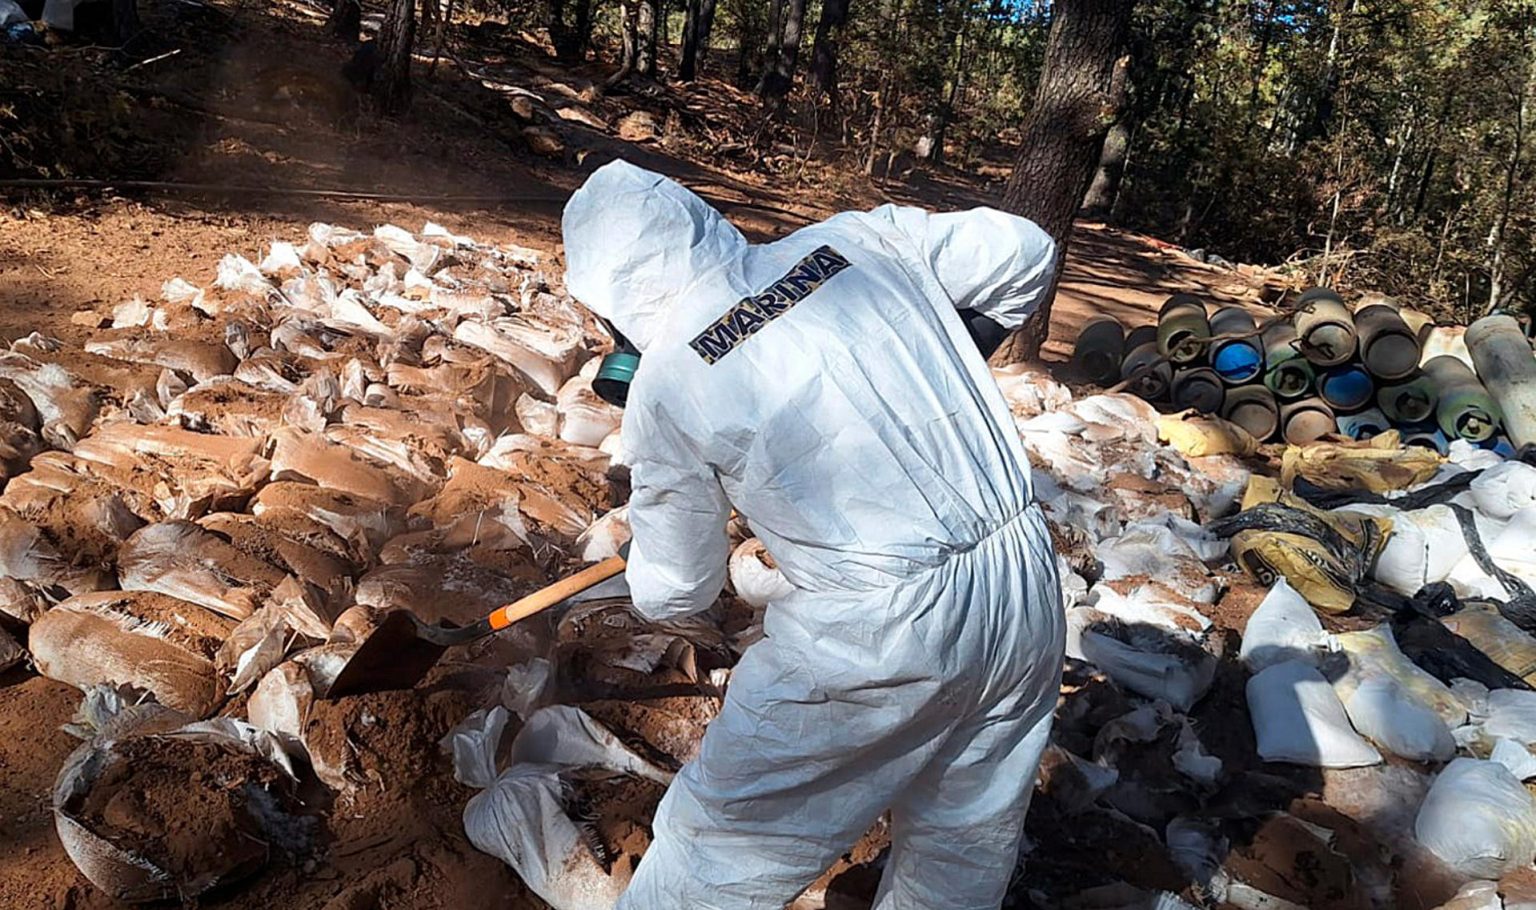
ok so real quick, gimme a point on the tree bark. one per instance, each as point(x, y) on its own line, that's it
point(570, 35)
point(789, 49)
point(397, 37)
point(1496, 237)
point(645, 38)
point(445, 15)
point(1105, 188)
point(629, 15)
point(345, 21)
point(697, 24)
point(748, 42)
point(1082, 89)
point(774, 43)
point(834, 15)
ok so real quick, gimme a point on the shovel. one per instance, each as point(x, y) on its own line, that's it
point(403, 649)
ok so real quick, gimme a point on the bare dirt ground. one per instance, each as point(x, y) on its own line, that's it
point(255, 102)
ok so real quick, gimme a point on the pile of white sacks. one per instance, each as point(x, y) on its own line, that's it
point(1129, 512)
point(224, 491)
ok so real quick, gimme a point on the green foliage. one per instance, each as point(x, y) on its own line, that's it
point(1388, 143)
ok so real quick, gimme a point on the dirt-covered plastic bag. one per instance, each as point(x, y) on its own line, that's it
point(530, 818)
point(1324, 555)
point(1479, 819)
point(521, 819)
point(1156, 662)
point(1508, 563)
point(150, 814)
point(1392, 718)
point(1374, 654)
point(1380, 464)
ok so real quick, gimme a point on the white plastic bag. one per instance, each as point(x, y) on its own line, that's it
point(1511, 551)
point(473, 745)
point(585, 419)
point(1387, 715)
point(1504, 489)
point(754, 576)
point(1478, 895)
point(1424, 547)
point(1297, 718)
point(1155, 550)
point(520, 819)
point(605, 536)
point(1284, 627)
point(1479, 819)
point(1511, 714)
point(567, 735)
point(11, 13)
point(1517, 758)
point(1152, 603)
point(1150, 661)
point(1374, 653)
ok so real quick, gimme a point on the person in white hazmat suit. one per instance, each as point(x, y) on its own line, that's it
point(827, 387)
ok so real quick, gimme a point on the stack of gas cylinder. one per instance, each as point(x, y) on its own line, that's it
point(1325, 369)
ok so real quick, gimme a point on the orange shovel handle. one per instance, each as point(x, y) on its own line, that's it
point(545, 598)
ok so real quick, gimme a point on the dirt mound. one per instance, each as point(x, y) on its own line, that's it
point(396, 839)
point(199, 810)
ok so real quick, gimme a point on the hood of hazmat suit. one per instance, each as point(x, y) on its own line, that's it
point(826, 387)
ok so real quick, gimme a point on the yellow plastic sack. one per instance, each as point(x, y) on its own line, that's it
point(1262, 489)
point(1324, 555)
point(1380, 465)
point(1200, 434)
point(1503, 641)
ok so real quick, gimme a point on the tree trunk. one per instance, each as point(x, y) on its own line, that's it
point(629, 15)
point(1105, 188)
point(346, 21)
point(645, 38)
point(445, 16)
point(1496, 237)
point(125, 20)
point(748, 42)
point(834, 14)
point(697, 23)
point(1260, 60)
point(1082, 88)
point(570, 33)
point(774, 43)
point(939, 121)
point(789, 49)
point(392, 87)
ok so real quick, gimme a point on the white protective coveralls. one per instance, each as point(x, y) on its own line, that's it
point(825, 387)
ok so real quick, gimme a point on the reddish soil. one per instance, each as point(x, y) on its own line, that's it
point(186, 807)
point(34, 871)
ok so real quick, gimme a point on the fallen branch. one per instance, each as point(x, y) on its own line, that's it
point(155, 59)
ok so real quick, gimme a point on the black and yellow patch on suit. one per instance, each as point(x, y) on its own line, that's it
point(751, 314)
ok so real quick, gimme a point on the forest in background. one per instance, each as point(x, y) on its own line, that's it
point(1383, 144)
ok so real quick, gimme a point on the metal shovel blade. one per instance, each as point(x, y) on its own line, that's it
point(395, 656)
